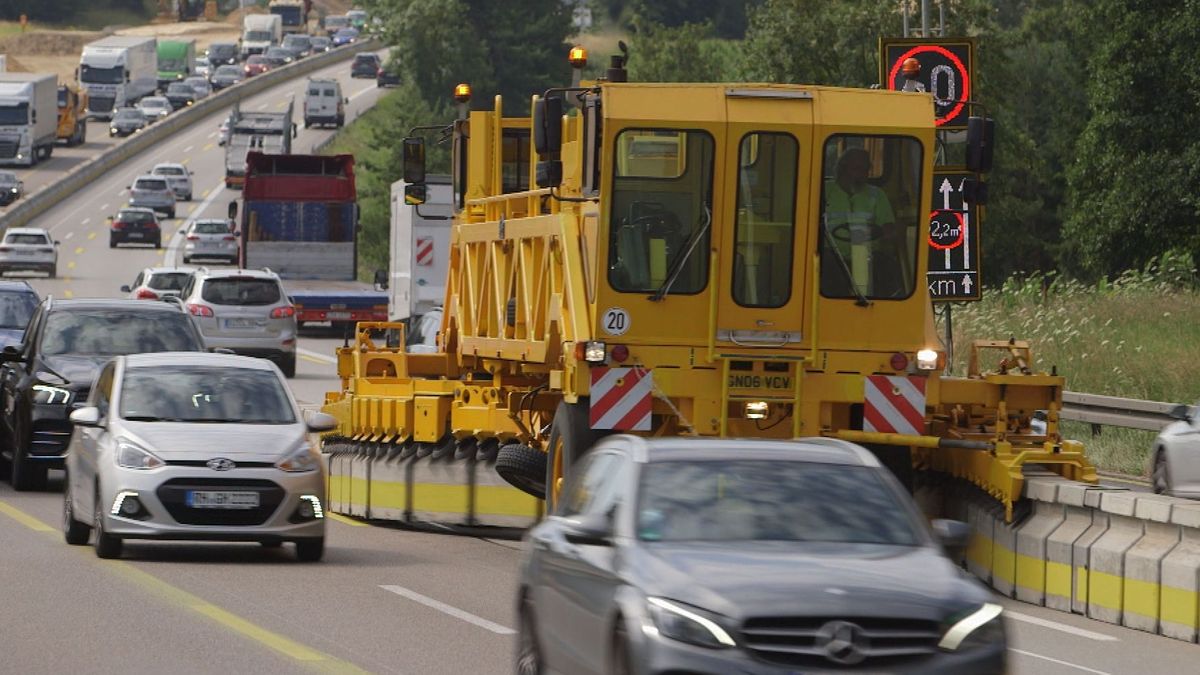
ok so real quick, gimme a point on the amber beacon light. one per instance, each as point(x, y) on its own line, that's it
point(578, 57)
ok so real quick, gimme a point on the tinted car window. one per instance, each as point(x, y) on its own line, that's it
point(211, 228)
point(762, 500)
point(135, 217)
point(205, 394)
point(178, 88)
point(241, 292)
point(26, 239)
point(130, 115)
point(168, 281)
point(148, 184)
point(169, 171)
point(115, 332)
point(16, 308)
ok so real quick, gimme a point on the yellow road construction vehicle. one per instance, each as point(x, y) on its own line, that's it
point(72, 115)
point(738, 260)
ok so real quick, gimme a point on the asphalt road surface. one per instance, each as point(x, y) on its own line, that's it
point(384, 599)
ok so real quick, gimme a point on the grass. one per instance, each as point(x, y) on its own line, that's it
point(1136, 337)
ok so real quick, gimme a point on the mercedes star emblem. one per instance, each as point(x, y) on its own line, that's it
point(843, 642)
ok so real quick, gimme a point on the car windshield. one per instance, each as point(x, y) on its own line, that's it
point(135, 217)
point(150, 184)
point(178, 88)
point(170, 171)
point(128, 116)
point(241, 291)
point(770, 500)
point(181, 393)
point(228, 71)
point(155, 103)
point(221, 51)
point(168, 281)
point(211, 227)
point(16, 308)
point(26, 238)
point(256, 60)
point(8, 178)
point(112, 332)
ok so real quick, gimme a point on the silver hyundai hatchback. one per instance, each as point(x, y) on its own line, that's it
point(194, 446)
point(153, 192)
point(245, 311)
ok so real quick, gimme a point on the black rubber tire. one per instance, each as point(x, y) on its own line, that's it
point(158, 243)
point(570, 424)
point(524, 468)
point(25, 476)
point(310, 550)
point(1160, 474)
point(53, 272)
point(529, 652)
point(108, 546)
point(287, 364)
point(618, 661)
point(171, 214)
point(187, 261)
point(74, 532)
point(112, 243)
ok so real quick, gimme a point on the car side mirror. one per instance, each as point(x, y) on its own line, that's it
point(413, 153)
point(381, 279)
point(953, 535)
point(126, 289)
point(11, 354)
point(592, 529)
point(415, 195)
point(319, 421)
point(86, 417)
point(1180, 412)
point(233, 208)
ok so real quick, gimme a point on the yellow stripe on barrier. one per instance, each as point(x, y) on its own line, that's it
point(979, 550)
point(1004, 563)
point(490, 500)
point(1031, 573)
point(1180, 606)
point(1141, 598)
point(1081, 584)
point(1105, 589)
point(1058, 579)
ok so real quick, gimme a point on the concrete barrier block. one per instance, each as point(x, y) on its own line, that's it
point(1071, 494)
point(389, 494)
point(1180, 582)
point(441, 490)
point(1155, 508)
point(1042, 489)
point(499, 504)
point(1143, 574)
point(1081, 557)
point(1031, 539)
point(1004, 554)
point(979, 550)
point(1060, 565)
point(1106, 558)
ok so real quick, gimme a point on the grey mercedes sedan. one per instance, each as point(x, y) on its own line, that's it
point(746, 556)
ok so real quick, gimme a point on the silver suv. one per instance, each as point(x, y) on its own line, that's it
point(153, 192)
point(178, 176)
point(245, 311)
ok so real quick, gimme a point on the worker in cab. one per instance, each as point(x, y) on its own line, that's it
point(860, 227)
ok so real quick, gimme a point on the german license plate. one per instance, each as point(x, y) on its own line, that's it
point(27, 253)
point(135, 235)
point(241, 323)
point(209, 499)
point(337, 316)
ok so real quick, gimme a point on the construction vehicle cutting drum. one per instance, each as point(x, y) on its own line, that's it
point(734, 260)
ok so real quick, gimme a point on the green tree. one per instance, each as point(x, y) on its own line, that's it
point(727, 17)
point(688, 53)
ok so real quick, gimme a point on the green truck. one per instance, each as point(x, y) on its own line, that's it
point(176, 60)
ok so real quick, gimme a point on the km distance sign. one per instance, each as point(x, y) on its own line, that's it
point(947, 72)
point(953, 241)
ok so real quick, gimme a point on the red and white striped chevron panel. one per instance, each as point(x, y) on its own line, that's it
point(894, 404)
point(425, 251)
point(621, 399)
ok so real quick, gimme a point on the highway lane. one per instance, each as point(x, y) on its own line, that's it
point(64, 159)
point(384, 600)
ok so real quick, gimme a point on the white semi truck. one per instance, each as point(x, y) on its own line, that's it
point(28, 117)
point(260, 32)
point(419, 246)
point(116, 71)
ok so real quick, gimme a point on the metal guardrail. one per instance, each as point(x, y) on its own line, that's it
point(77, 178)
point(1129, 413)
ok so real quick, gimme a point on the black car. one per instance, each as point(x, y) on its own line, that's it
point(299, 45)
point(279, 57)
point(11, 188)
point(56, 364)
point(227, 76)
point(320, 44)
point(17, 302)
point(134, 225)
point(387, 77)
point(747, 556)
point(222, 54)
point(126, 122)
point(180, 95)
point(364, 65)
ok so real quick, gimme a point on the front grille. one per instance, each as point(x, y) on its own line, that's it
point(204, 463)
point(100, 104)
point(883, 643)
point(8, 149)
point(50, 438)
point(173, 495)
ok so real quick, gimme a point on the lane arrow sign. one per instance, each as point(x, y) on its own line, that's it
point(967, 283)
point(946, 189)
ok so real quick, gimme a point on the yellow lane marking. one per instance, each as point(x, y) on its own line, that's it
point(208, 147)
point(343, 519)
point(71, 265)
point(182, 598)
point(68, 279)
point(91, 235)
point(186, 160)
point(314, 359)
point(24, 518)
point(78, 250)
point(205, 193)
point(68, 294)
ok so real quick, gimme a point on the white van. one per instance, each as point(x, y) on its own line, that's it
point(323, 103)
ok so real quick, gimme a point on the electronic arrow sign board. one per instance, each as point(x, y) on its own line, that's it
point(947, 72)
point(953, 241)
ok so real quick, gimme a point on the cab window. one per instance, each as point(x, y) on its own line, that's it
point(514, 170)
point(661, 210)
point(870, 217)
point(764, 225)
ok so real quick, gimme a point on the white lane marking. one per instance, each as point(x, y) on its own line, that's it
point(171, 256)
point(103, 208)
point(1054, 625)
point(68, 235)
point(262, 106)
point(323, 358)
point(85, 221)
point(1059, 662)
point(451, 610)
point(211, 135)
point(364, 91)
point(188, 148)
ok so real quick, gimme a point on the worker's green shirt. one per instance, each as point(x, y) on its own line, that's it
point(867, 206)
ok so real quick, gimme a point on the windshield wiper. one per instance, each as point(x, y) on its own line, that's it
point(677, 268)
point(219, 420)
point(46, 367)
point(149, 418)
point(845, 268)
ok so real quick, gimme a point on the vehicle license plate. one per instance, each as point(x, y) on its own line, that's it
point(27, 253)
point(206, 499)
point(135, 235)
point(241, 323)
point(337, 315)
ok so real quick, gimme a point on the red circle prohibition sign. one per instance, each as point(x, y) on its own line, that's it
point(962, 232)
point(962, 70)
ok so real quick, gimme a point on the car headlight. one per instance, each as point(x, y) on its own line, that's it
point(112, 130)
point(301, 459)
point(687, 625)
point(132, 456)
point(45, 394)
point(975, 628)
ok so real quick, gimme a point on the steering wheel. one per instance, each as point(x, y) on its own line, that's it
point(843, 233)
